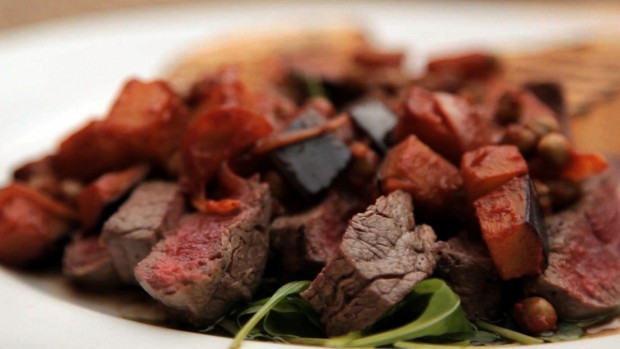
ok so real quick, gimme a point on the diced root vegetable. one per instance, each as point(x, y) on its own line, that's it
point(213, 138)
point(513, 229)
point(144, 125)
point(30, 223)
point(432, 181)
point(487, 168)
point(446, 123)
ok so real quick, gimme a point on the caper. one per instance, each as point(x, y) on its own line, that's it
point(543, 124)
point(554, 148)
point(508, 110)
point(535, 315)
point(523, 138)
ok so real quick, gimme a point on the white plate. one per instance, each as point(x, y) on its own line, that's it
point(53, 76)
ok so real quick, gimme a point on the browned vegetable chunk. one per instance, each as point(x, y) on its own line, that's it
point(512, 227)
point(144, 124)
point(489, 167)
point(431, 180)
point(107, 189)
point(447, 123)
point(213, 138)
point(30, 223)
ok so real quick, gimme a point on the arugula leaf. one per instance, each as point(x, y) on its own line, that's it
point(484, 337)
point(509, 334)
point(608, 316)
point(567, 331)
point(421, 345)
point(291, 318)
point(442, 315)
point(284, 291)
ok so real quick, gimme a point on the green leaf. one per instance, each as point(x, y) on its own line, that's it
point(442, 314)
point(509, 334)
point(421, 345)
point(608, 316)
point(567, 331)
point(484, 337)
point(284, 291)
point(292, 318)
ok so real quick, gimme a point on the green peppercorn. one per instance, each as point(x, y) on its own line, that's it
point(554, 148)
point(535, 315)
point(523, 138)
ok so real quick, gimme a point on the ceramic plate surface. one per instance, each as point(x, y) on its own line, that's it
point(56, 75)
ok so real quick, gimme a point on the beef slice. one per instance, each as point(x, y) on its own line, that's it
point(382, 256)
point(211, 262)
point(129, 234)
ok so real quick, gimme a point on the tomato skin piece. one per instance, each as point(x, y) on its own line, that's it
point(215, 137)
point(487, 168)
point(513, 229)
point(582, 165)
point(432, 181)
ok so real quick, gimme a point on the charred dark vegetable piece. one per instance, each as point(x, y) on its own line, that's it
point(377, 121)
point(513, 228)
point(311, 166)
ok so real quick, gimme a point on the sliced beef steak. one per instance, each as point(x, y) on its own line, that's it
point(583, 276)
point(469, 270)
point(380, 259)
point(88, 263)
point(129, 234)
point(305, 241)
point(211, 262)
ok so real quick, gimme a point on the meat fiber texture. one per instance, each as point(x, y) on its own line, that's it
point(305, 241)
point(86, 262)
point(583, 276)
point(211, 262)
point(129, 234)
point(382, 256)
point(469, 270)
